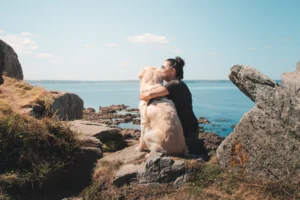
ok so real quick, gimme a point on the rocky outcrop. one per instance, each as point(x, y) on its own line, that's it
point(113, 115)
point(9, 63)
point(266, 141)
point(211, 141)
point(68, 106)
point(111, 138)
point(155, 168)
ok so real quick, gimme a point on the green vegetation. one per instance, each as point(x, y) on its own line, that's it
point(102, 188)
point(32, 151)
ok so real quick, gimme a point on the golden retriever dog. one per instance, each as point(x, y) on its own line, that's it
point(161, 130)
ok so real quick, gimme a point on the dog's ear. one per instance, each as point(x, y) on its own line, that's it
point(141, 74)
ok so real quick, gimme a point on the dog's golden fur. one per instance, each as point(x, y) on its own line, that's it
point(161, 129)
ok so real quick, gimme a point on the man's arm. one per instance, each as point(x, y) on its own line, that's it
point(157, 92)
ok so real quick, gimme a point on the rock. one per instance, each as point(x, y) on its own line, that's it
point(89, 141)
point(211, 140)
point(132, 110)
point(79, 174)
point(179, 181)
point(111, 138)
point(125, 156)
point(91, 110)
point(112, 108)
point(38, 110)
point(160, 169)
point(127, 174)
point(232, 126)
point(266, 141)
point(130, 133)
point(9, 62)
point(202, 120)
point(136, 121)
point(68, 106)
point(291, 81)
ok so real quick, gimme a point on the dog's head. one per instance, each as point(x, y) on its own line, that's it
point(151, 75)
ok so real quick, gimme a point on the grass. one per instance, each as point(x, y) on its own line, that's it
point(102, 187)
point(20, 94)
point(206, 181)
point(32, 151)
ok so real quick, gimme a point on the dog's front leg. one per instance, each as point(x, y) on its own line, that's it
point(141, 140)
point(143, 108)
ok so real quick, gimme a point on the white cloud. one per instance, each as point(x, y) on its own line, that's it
point(21, 44)
point(111, 45)
point(1, 31)
point(148, 39)
point(25, 34)
point(89, 46)
point(251, 48)
point(213, 53)
point(28, 41)
point(54, 61)
point(44, 55)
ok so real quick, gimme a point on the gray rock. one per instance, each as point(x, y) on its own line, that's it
point(125, 156)
point(161, 169)
point(68, 106)
point(9, 62)
point(266, 141)
point(93, 129)
point(179, 181)
point(127, 174)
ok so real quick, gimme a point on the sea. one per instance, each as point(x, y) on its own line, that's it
point(219, 101)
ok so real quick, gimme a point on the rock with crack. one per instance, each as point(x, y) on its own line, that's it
point(67, 106)
point(156, 169)
point(266, 141)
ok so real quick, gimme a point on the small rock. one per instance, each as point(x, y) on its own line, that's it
point(203, 120)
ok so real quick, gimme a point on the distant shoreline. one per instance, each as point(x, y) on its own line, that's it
point(119, 81)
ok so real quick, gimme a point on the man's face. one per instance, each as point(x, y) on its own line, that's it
point(167, 71)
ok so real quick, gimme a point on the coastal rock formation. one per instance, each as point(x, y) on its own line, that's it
point(9, 63)
point(211, 140)
point(68, 106)
point(156, 168)
point(266, 141)
point(111, 138)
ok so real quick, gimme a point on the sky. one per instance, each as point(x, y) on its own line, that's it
point(114, 40)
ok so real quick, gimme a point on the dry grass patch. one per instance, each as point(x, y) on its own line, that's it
point(21, 94)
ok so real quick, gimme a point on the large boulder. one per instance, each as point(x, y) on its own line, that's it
point(9, 63)
point(266, 141)
point(68, 106)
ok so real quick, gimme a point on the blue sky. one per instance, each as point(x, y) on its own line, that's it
point(114, 40)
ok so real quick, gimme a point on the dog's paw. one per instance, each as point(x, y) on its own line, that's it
point(147, 156)
point(138, 149)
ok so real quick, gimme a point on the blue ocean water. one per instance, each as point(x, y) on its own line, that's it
point(221, 102)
